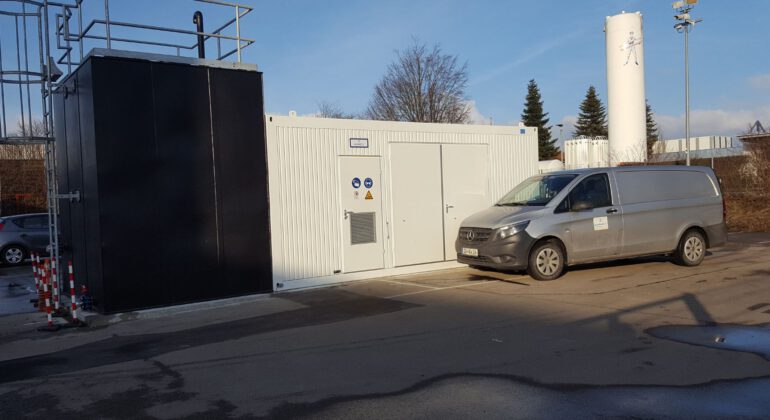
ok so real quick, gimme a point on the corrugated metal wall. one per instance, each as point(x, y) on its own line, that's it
point(305, 209)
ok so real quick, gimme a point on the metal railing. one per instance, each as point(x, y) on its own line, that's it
point(102, 30)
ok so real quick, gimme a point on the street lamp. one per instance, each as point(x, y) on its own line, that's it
point(561, 127)
point(683, 24)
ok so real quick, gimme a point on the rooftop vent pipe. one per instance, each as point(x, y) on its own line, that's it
point(198, 21)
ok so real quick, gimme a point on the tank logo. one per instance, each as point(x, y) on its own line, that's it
point(630, 46)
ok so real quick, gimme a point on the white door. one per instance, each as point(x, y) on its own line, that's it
point(466, 184)
point(418, 228)
point(361, 198)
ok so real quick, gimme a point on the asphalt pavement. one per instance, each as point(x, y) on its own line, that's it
point(640, 338)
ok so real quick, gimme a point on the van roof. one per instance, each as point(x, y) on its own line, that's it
point(633, 168)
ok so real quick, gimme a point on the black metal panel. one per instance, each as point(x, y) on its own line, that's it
point(186, 223)
point(129, 208)
point(241, 173)
point(89, 253)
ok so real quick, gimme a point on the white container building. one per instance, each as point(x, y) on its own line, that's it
point(355, 199)
point(696, 143)
point(586, 152)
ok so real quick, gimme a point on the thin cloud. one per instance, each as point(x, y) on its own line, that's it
point(528, 56)
point(761, 81)
point(708, 122)
point(476, 117)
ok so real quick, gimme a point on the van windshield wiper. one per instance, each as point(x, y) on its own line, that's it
point(512, 204)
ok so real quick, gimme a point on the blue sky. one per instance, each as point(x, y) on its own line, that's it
point(336, 51)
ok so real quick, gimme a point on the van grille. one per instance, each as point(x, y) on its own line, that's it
point(476, 235)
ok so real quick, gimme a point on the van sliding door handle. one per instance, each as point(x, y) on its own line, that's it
point(612, 211)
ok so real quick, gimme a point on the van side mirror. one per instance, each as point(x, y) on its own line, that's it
point(582, 206)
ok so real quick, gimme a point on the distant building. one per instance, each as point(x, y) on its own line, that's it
point(703, 147)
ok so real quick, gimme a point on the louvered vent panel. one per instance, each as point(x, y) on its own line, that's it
point(362, 229)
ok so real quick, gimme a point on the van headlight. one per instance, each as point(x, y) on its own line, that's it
point(510, 230)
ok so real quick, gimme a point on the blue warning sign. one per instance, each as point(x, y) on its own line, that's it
point(368, 183)
point(356, 183)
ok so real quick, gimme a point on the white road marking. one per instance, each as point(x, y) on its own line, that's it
point(403, 283)
point(441, 288)
point(764, 242)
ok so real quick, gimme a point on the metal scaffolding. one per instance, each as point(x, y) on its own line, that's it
point(29, 75)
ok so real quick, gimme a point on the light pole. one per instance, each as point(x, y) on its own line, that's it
point(561, 127)
point(683, 24)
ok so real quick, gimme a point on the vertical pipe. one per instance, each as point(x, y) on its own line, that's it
point(18, 77)
point(238, 31)
point(107, 23)
point(687, 92)
point(4, 125)
point(26, 67)
point(80, 29)
point(198, 21)
point(66, 19)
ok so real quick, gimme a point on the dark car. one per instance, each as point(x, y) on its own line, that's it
point(22, 234)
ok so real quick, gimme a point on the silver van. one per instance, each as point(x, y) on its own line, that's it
point(564, 218)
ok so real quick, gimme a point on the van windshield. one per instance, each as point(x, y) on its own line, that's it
point(536, 191)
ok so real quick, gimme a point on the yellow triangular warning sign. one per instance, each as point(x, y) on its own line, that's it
point(369, 196)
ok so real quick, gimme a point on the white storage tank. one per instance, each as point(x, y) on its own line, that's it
point(626, 108)
point(354, 199)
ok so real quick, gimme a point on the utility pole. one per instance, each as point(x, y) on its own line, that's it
point(684, 24)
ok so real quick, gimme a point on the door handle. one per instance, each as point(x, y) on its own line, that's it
point(448, 207)
point(612, 211)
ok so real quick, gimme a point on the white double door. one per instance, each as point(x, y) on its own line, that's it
point(435, 187)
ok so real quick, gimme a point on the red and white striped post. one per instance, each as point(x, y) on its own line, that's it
point(40, 276)
point(72, 293)
point(47, 301)
point(34, 271)
point(55, 285)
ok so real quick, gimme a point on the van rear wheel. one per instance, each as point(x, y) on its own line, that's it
point(691, 249)
point(546, 261)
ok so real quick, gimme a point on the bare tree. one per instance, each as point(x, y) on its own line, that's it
point(422, 85)
point(25, 151)
point(328, 109)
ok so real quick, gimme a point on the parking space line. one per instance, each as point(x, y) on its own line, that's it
point(403, 283)
point(441, 288)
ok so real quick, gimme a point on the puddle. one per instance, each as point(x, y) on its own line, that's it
point(752, 339)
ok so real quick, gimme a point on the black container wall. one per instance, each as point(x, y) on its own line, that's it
point(170, 162)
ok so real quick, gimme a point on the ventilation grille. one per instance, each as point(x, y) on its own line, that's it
point(362, 229)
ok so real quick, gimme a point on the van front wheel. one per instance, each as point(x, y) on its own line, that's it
point(546, 261)
point(691, 249)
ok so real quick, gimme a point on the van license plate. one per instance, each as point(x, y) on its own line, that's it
point(471, 252)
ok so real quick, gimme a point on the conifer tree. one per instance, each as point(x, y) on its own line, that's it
point(533, 116)
point(592, 120)
point(652, 130)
